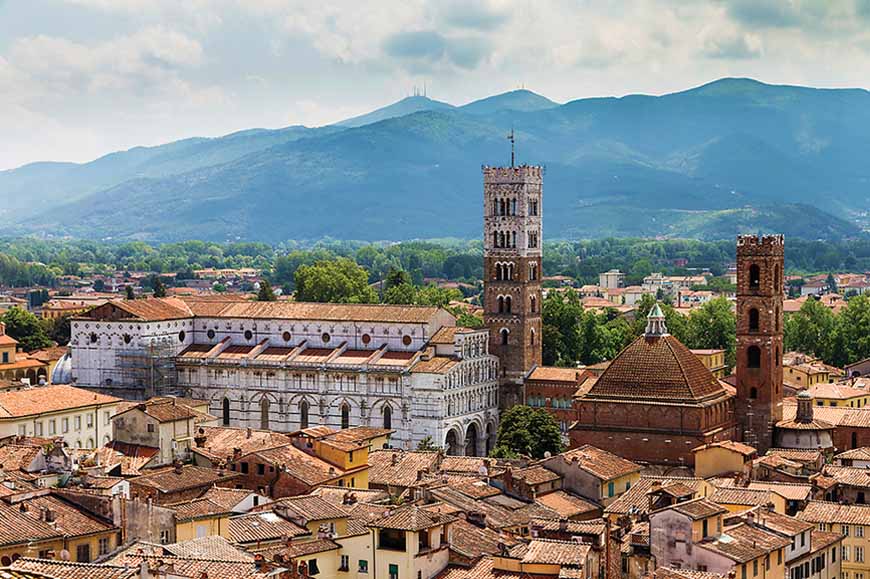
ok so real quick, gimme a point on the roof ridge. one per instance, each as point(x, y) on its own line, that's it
point(679, 363)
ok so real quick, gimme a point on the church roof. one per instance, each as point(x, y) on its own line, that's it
point(657, 367)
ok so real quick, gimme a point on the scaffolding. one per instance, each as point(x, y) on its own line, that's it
point(144, 373)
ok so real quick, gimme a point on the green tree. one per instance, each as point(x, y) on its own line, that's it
point(128, 289)
point(851, 339)
point(157, 287)
point(714, 326)
point(397, 277)
point(831, 283)
point(427, 444)
point(26, 328)
point(404, 293)
point(467, 320)
point(99, 285)
point(336, 281)
point(527, 431)
point(266, 294)
point(58, 329)
point(810, 329)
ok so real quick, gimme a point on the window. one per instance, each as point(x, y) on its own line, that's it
point(5, 357)
point(83, 553)
point(743, 571)
point(394, 571)
point(834, 555)
point(804, 539)
point(89, 420)
point(344, 564)
point(859, 530)
point(754, 276)
point(845, 530)
point(325, 337)
point(753, 320)
point(845, 553)
point(388, 417)
point(261, 469)
point(244, 468)
point(264, 413)
point(64, 424)
point(22, 430)
point(150, 427)
point(753, 357)
point(104, 545)
point(755, 568)
point(504, 336)
point(225, 411)
point(704, 528)
point(345, 415)
point(611, 490)
point(248, 334)
point(52, 426)
point(303, 414)
point(210, 334)
point(312, 567)
point(392, 539)
point(859, 554)
point(37, 429)
point(363, 566)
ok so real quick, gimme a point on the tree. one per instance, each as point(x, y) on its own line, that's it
point(99, 285)
point(831, 283)
point(527, 431)
point(714, 326)
point(129, 291)
point(403, 293)
point(266, 294)
point(851, 339)
point(26, 328)
point(809, 330)
point(335, 281)
point(58, 329)
point(426, 444)
point(159, 290)
point(397, 277)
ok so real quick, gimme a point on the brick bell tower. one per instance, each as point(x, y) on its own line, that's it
point(512, 207)
point(760, 262)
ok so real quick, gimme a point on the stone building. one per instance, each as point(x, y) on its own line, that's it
point(655, 402)
point(759, 337)
point(287, 366)
point(512, 241)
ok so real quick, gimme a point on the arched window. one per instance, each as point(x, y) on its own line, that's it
point(504, 336)
point(498, 272)
point(514, 239)
point(226, 412)
point(264, 413)
point(500, 304)
point(495, 238)
point(533, 304)
point(778, 319)
point(753, 392)
point(303, 414)
point(753, 357)
point(509, 268)
point(532, 338)
point(753, 320)
point(777, 279)
point(754, 276)
point(388, 416)
point(507, 304)
point(345, 415)
point(854, 440)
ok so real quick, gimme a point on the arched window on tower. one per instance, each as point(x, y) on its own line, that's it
point(753, 357)
point(513, 206)
point(500, 304)
point(753, 393)
point(753, 320)
point(303, 414)
point(507, 304)
point(504, 336)
point(264, 413)
point(533, 304)
point(778, 319)
point(345, 415)
point(388, 416)
point(777, 279)
point(754, 276)
point(532, 338)
point(510, 271)
point(226, 411)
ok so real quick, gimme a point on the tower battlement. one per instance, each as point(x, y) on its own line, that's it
point(773, 244)
point(519, 174)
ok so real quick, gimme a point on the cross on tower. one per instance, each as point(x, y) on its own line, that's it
point(513, 141)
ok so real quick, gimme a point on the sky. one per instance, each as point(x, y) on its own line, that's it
point(82, 78)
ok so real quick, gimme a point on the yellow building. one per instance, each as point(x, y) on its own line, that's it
point(200, 518)
point(839, 394)
point(738, 500)
point(347, 449)
point(81, 418)
point(851, 521)
point(726, 457)
point(15, 365)
point(410, 542)
point(714, 360)
point(800, 371)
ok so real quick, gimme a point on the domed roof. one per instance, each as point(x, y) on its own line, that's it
point(62, 372)
point(657, 367)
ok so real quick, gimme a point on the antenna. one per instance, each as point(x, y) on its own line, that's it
point(513, 142)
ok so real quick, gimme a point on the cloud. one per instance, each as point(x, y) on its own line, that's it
point(425, 44)
point(428, 48)
point(732, 44)
point(474, 15)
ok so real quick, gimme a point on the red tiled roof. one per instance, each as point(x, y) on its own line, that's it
point(657, 368)
point(53, 398)
point(600, 463)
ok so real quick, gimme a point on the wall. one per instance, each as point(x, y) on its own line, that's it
point(716, 461)
point(93, 436)
point(212, 526)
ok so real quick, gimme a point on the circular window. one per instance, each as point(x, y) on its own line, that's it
point(366, 339)
point(181, 336)
point(210, 334)
point(286, 336)
point(325, 337)
point(249, 334)
point(406, 340)
point(128, 338)
point(94, 338)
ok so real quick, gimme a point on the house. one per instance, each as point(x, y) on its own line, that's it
point(179, 483)
point(858, 457)
point(724, 457)
point(167, 424)
point(740, 499)
point(15, 365)
point(852, 522)
point(553, 389)
point(236, 501)
point(347, 449)
point(79, 417)
point(216, 445)
point(839, 394)
point(713, 359)
point(594, 474)
point(410, 543)
point(199, 518)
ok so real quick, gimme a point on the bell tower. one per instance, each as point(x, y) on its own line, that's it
point(760, 262)
point(512, 198)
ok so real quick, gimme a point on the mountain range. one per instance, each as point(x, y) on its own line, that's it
point(732, 156)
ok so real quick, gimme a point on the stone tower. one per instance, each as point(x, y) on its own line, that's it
point(512, 198)
point(760, 264)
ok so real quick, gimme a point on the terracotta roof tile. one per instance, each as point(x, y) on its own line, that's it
point(741, 496)
point(309, 507)
point(552, 552)
point(698, 509)
point(472, 541)
point(167, 480)
point(262, 526)
point(600, 463)
point(18, 527)
point(657, 368)
point(197, 509)
point(824, 512)
point(635, 499)
point(221, 440)
point(744, 543)
point(553, 374)
point(213, 547)
point(399, 468)
point(196, 567)
point(52, 398)
point(849, 475)
point(862, 453)
point(307, 468)
point(567, 505)
point(411, 518)
point(311, 311)
point(535, 475)
point(50, 568)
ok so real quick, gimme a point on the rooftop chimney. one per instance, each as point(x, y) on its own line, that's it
point(248, 432)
